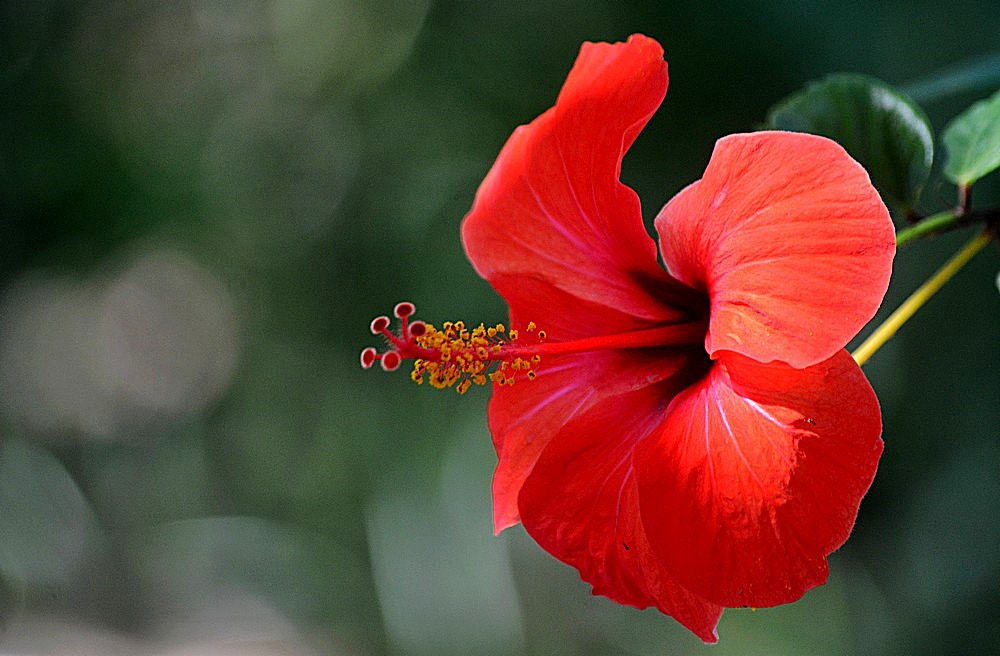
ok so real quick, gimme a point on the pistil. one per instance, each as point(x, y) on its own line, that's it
point(677, 334)
point(459, 357)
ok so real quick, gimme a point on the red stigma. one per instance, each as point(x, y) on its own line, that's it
point(401, 345)
point(391, 360)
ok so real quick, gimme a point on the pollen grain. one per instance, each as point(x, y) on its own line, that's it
point(459, 357)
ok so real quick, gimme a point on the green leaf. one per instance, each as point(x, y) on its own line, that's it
point(972, 141)
point(876, 124)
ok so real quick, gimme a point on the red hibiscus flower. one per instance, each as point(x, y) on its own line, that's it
point(692, 438)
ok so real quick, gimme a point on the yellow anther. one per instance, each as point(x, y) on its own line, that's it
point(531, 326)
point(459, 357)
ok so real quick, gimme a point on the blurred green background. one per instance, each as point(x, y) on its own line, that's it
point(204, 204)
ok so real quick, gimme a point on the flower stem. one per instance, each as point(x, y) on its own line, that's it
point(952, 219)
point(910, 306)
point(934, 223)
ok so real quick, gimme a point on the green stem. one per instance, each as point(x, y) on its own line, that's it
point(932, 224)
point(910, 306)
point(949, 220)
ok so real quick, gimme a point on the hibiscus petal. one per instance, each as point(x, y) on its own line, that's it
point(524, 418)
point(553, 208)
point(790, 240)
point(562, 316)
point(756, 476)
point(580, 504)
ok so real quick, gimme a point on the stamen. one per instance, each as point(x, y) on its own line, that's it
point(452, 356)
point(456, 356)
point(459, 357)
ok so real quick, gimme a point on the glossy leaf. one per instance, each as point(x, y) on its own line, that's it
point(876, 124)
point(972, 141)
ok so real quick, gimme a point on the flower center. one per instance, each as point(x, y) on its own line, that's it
point(455, 356)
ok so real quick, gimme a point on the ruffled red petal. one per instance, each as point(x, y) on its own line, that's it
point(756, 476)
point(524, 418)
point(553, 208)
point(790, 240)
point(581, 505)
